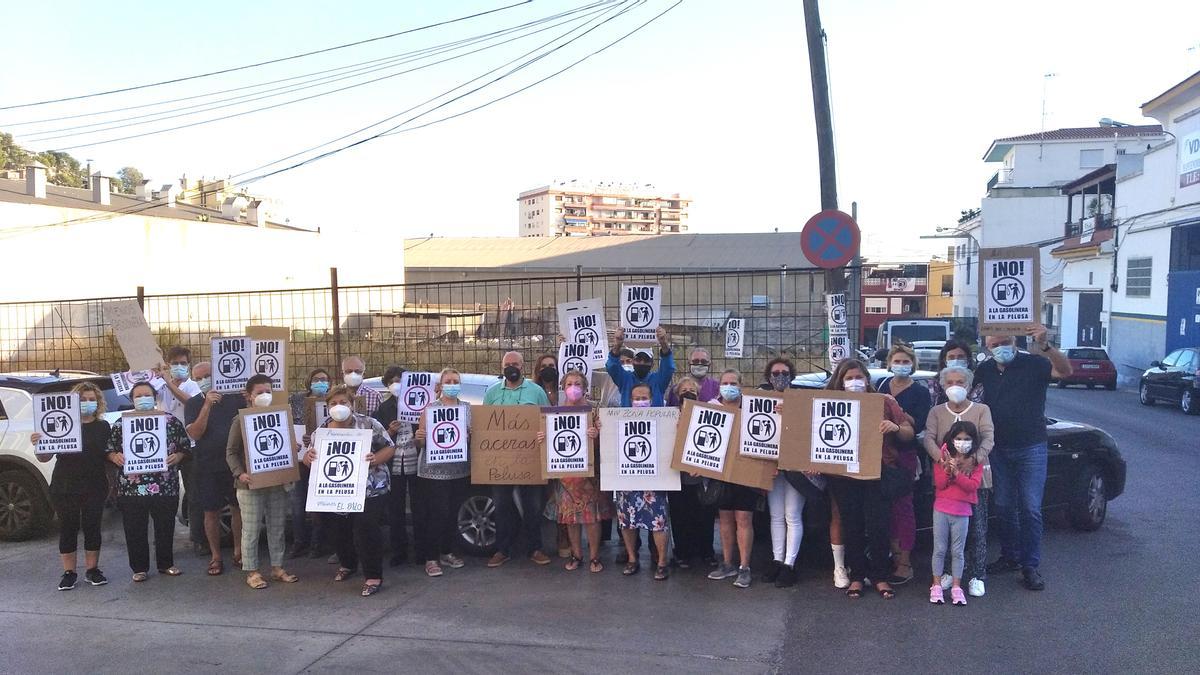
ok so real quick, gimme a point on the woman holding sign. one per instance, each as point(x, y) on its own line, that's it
point(78, 488)
point(642, 509)
point(441, 480)
point(306, 538)
point(784, 502)
point(150, 497)
point(737, 505)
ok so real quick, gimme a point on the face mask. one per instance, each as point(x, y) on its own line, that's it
point(574, 392)
point(451, 390)
point(780, 382)
point(549, 374)
point(957, 363)
point(340, 413)
point(88, 408)
point(699, 372)
point(690, 395)
point(352, 379)
point(1004, 353)
point(731, 392)
point(901, 370)
point(143, 403)
point(179, 371)
point(956, 394)
point(205, 384)
point(512, 373)
point(641, 370)
point(641, 404)
point(627, 367)
point(962, 445)
point(319, 388)
point(855, 385)
point(396, 388)
point(263, 400)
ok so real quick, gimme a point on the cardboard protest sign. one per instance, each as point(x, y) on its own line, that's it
point(567, 450)
point(760, 430)
point(267, 438)
point(1009, 290)
point(315, 412)
point(735, 335)
point(832, 432)
point(706, 444)
point(576, 356)
point(635, 448)
point(446, 434)
point(144, 442)
point(641, 312)
point(56, 418)
point(582, 322)
point(839, 339)
point(123, 382)
point(416, 393)
point(338, 482)
point(504, 446)
point(133, 334)
point(232, 357)
point(271, 358)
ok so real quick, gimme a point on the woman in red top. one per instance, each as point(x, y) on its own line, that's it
point(863, 510)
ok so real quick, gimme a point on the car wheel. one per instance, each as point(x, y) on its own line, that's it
point(1111, 386)
point(1089, 500)
point(23, 509)
point(1144, 396)
point(1187, 402)
point(477, 524)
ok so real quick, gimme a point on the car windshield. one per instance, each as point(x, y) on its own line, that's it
point(1087, 354)
point(912, 334)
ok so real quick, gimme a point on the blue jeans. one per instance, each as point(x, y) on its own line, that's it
point(1019, 480)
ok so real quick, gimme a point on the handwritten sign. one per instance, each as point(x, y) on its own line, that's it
point(832, 432)
point(133, 334)
point(641, 311)
point(267, 435)
point(416, 393)
point(578, 357)
point(144, 442)
point(1009, 290)
point(626, 464)
point(446, 434)
point(231, 363)
point(567, 451)
point(338, 482)
point(56, 418)
point(735, 336)
point(504, 446)
point(761, 427)
point(582, 322)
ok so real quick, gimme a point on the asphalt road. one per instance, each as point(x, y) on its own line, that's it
point(1118, 600)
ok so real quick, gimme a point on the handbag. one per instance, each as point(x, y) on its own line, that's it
point(711, 491)
point(894, 482)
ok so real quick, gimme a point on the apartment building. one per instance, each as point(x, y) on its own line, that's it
point(572, 207)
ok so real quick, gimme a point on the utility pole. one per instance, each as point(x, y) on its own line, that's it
point(835, 279)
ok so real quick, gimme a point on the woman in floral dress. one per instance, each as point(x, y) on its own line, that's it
point(643, 510)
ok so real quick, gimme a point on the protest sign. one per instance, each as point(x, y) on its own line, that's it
point(269, 446)
point(1009, 290)
point(635, 448)
point(144, 442)
point(446, 434)
point(839, 339)
point(504, 446)
point(706, 444)
point(123, 382)
point(315, 412)
point(761, 428)
point(416, 393)
point(133, 334)
point(56, 418)
point(735, 335)
point(641, 311)
point(567, 450)
point(271, 359)
point(576, 356)
point(231, 363)
point(832, 432)
point(582, 322)
point(338, 482)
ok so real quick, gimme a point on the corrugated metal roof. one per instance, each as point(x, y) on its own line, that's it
point(632, 252)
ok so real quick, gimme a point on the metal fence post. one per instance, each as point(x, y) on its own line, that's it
point(337, 318)
point(578, 283)
point(141, 297)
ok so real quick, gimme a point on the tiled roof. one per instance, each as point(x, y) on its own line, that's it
point(1076, 243)
point(1085, 133)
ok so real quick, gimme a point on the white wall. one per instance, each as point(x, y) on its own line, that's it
point(1084, 276)
point(1060, 160)
point(534, 224)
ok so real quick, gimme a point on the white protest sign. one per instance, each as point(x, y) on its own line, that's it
point(582, 323)
point(231, 363)
point(269, 442)
point(735, 336)
point(627, 464)
point(567, 448)
point(56, 418)
point(707, 439)
point(445, 434)
point(1008, 290)
point(839, 340)
point(270, 359)
point(576, 356)
point(761, 427)
point(144, 443)
point(641, 311)
point(133, 334)
point(416, 393)
point(123, 382)
point(637, 444)
point(835, 438)
point(338, 482)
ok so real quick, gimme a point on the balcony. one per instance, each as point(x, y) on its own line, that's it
point(1003, 177)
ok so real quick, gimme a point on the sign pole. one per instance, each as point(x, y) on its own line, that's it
point(835, 279)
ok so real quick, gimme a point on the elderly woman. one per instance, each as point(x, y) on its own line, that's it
point(954, 353)
point(956, 382)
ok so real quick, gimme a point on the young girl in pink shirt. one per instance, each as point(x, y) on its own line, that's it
point(955, 488)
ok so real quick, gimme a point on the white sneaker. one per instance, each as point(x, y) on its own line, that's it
point(947, 582)
point(975, 588)
point(841, 577)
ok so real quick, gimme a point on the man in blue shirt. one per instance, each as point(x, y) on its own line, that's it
point(643, 361)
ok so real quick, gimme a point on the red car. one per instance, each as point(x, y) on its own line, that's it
point(1090, 366)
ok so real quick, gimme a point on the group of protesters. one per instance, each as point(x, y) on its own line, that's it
point(980, 421)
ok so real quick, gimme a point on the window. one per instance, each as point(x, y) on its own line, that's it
point(1173, 358)
point(947, 284)
point(558, 198)
point(897, 306)
point(875, 305)
point(1137, 277)
point(1091, 159)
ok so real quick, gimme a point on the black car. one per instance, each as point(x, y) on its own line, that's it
point(1174, 380)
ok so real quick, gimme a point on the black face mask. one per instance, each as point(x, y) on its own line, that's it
point(641, 370)
point(690, 395)
point(549, 374)
point(512, 373)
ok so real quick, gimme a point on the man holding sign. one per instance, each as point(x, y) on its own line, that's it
point(643, 361)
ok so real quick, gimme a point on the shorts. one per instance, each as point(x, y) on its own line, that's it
point(740, 498)
point(214, 490)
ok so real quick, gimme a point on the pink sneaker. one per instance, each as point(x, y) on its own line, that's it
point(957, 597)
point(935, 595)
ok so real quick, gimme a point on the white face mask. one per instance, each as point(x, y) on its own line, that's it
point(962, 445)
point(340, 413)
point(263, 400)
point(956, 394)
point(396, 388)
point(352, 379)
point(855, 385)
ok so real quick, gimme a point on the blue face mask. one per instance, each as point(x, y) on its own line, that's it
point(179, 371)
point(1004, 353)
point(731, 392)
point(143, 403)
point(902, 370)
point(319, 388)
point(88, 408)
point(957, 363)
point(451, 390)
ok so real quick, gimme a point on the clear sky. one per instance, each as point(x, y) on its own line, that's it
point(712, 100)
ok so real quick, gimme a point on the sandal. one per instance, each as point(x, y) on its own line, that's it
point(139, 576)
point(854, 593)
point(343, 574)
point(596, 566)
point(256, 581)
point(572, 563)
point(171, 571)
point(216, 568)
point(237, 560)
point(284, 576)
point(885, 593)
point(370, 589)
point(661, 573)
point(631, 568)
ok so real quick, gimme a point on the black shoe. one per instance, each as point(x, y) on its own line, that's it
point(1003, 565)
point(398, 560)
point(683, 563)
point(68, 581)
point(95, 577)
point(299, 551)
point(787, 576)
point(772, 572)
point(1032, 580)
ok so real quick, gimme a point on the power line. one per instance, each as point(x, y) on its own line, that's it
point(269, 62)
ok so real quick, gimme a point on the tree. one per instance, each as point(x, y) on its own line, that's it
point(61, 168)
point(12, 156)
point(131, 178)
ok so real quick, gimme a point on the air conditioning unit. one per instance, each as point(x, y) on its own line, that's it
point(760, 301)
